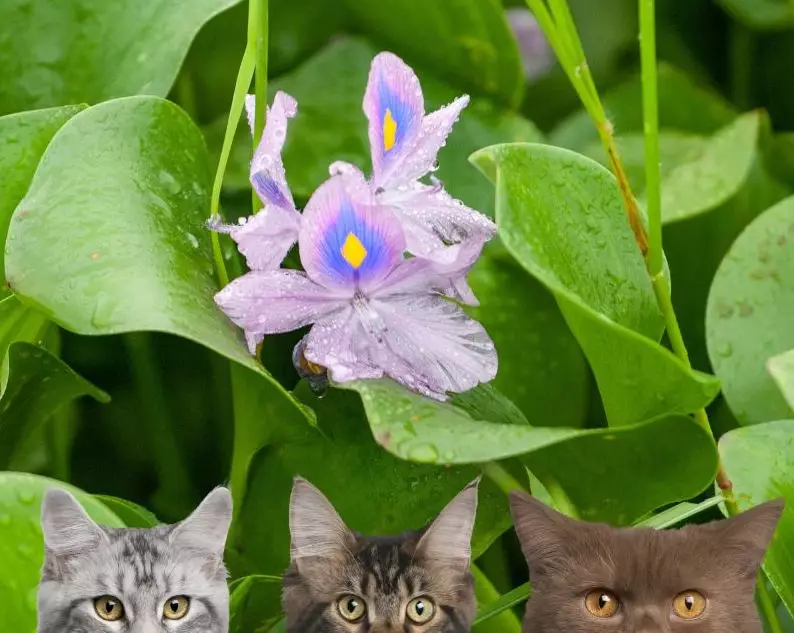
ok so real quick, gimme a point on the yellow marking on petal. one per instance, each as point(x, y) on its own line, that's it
point(353, 251)
point(389, 130)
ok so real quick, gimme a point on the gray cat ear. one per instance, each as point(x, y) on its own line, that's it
point(746, 536)
point(542, 531)
point(448, 538)
point(207, 527)
point(316, 529)
point(67, 528)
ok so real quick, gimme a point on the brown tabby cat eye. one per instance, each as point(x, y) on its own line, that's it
point(420, 610)
point(351, 608)
point(602, 603)
point(109, 608)
point(176, 608)
point(689, 605)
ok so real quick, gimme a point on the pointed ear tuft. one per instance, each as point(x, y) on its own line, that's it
point(748, 534)
point(316, 529)
point(542, 531)
point(67, 528)
point(207, 527)
point(448, 538)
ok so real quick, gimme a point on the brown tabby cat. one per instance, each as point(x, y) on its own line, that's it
point(342, 582)
point(594, 578)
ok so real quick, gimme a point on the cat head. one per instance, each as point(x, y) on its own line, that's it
point(594, 578)
point(342, 582)
point(166, 579)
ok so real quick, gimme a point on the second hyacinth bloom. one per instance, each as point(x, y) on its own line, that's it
point(383, 258)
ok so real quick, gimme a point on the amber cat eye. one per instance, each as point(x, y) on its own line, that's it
point(602, 603)
point(689, 604)
point(420, 610)
point(176, 608)
point(351, 607)
point(109, 608)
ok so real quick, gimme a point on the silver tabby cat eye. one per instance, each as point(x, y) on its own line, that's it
point(109, 608)
point(420, 610)
point(351, 608)
point(176, 608)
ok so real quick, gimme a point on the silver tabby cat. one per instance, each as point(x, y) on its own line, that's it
point(166, 579)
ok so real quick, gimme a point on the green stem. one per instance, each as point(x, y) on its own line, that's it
point(768, 605)
point(166, 449)
point(258, 34)
point(661, 285)
point(497, 473)
point(741, 60)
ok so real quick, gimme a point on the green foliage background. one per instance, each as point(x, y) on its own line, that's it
point(120, 378)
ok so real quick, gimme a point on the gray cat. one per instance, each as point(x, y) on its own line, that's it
point(342, 582)
point(169, 578)
point(594, 578)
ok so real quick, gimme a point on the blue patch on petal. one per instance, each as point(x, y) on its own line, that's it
point(345, 241)
point(395, 114)
point(268, 189)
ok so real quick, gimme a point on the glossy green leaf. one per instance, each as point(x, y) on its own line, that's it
point(760, 462)
point(749, 314)
point(541, 368)
point(74, 51)
point(22, 546)
point(465, 41)
point(561, 216)
point(486, 594)
point(781, 368)
point(254, 603)
point(132, 514)
point(374, 491)
point(683, 105)
point(760, 14)
point(613, 479)
point(37, 384)
point(111, 236)
point(330, 125)
point(23, 139)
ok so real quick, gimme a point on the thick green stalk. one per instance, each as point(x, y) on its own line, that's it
point(767, 605)
point(497, 473)
point(258, 33)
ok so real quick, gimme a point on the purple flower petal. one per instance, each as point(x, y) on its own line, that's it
point(274, 301)
point(345, 241)
point(266, 237)
point(267, 169)
point(394, 106)
point(423, 341)
point(432, 219)
point(436, 127)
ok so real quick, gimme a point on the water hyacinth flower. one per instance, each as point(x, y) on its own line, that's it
point(404, 143)
point(373, 312)
point(266, 237)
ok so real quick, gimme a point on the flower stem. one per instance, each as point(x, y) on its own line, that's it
point(499, 475)
point(767, 605)
point(560, 31)
point(258, 33)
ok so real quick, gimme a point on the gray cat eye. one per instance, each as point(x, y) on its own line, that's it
point(420, 610)
point(109, 608)
point(351, 607)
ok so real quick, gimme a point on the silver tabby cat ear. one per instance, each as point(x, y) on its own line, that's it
point(206, 528)
point(316, 529)
point(67, 528)
point(448, 538)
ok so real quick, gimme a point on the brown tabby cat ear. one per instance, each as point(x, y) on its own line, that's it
point(541, 530)
point(316, 529)
point(745, 537)
point(448, 537)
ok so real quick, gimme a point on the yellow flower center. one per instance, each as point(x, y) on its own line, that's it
point(389, 130)
point(353, 251)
